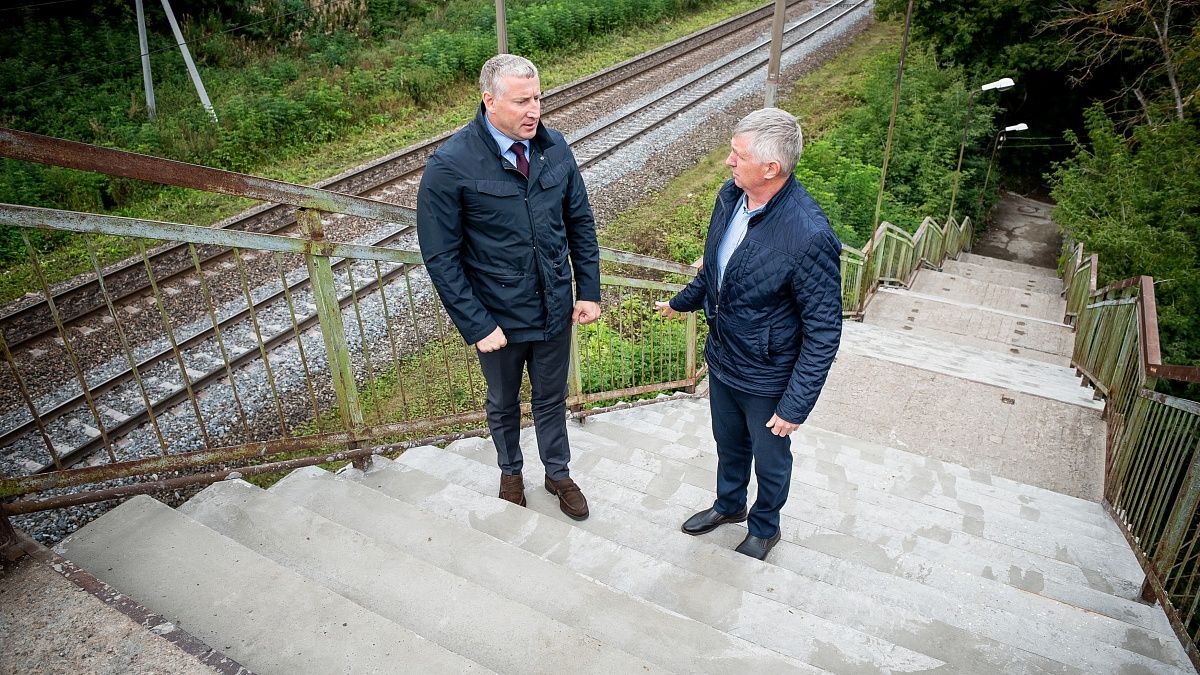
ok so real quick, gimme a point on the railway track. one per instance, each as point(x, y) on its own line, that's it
point(592, 144)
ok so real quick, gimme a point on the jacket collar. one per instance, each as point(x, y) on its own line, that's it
point(538, 145)
point(731, 193)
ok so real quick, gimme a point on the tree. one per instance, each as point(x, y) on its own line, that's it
point(1154, 38)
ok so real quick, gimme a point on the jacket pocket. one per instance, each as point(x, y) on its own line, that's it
point(783, 339)
point(554, 175)
point(497, 188)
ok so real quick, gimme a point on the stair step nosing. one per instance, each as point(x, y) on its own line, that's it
point(1020, 626)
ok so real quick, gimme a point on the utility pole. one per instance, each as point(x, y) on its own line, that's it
point(147, 80)
point(501, 29)
point(776, 53)
point(887, 147)
point(187, 59)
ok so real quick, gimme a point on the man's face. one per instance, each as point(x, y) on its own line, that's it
point(748, 172)
point(516, 108)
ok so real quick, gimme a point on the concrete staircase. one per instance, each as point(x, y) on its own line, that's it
point(891, 560)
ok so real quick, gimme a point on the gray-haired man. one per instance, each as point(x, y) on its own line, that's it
point(771, 290)
point(504, 224)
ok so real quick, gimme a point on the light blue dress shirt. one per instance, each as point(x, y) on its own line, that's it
point(505, 143)
point(734, 234)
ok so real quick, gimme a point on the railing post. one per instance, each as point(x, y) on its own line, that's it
point(691, 352)
point(1178, 524)
point(574, 374)
point(329, 314)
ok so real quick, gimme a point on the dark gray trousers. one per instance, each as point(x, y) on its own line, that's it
point(548, 362)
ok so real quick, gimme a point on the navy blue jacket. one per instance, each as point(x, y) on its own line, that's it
point(496, 244)
point(776, 321)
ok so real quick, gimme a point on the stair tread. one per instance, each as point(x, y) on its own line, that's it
point(152, 552)
point(637, 627)
point(997, 263)
point(1045, 306)
point(443, 608)
point(1020, 279)
point(1045, 380)
point(993, 622)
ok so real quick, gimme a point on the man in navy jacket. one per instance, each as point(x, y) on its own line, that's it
point(504, 225)
point(771, 290)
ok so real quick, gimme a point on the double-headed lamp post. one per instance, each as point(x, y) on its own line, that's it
point(996, 142)
point(1000, 85)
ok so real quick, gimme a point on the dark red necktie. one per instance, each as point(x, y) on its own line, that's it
point(522, 163)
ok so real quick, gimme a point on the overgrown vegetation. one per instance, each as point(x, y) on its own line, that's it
point(844, 109)
point(300, 96)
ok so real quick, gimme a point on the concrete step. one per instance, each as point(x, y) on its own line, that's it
point(1035, 279)
point(1046, 306)
point(462, 616)
point(232, 598)
point(1032, 271)
point(825, 461)
point(1010, 620)
point(897, 543)
point(934, 318)
point(450, 540)
point(794, 632)
point(1010, 372)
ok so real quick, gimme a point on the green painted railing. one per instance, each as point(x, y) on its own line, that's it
point(893, 256)
point(374, 359)
point(1152, 463)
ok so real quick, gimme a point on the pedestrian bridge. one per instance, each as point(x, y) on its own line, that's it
point(989, 484)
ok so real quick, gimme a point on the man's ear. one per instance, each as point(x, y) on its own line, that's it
point(488, 100)
point(772, 171)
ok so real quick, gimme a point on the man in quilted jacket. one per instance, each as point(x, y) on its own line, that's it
point(771, 290)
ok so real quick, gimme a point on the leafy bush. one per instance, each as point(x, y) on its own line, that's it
point(1135, 201)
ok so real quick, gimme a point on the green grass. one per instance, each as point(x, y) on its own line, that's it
point(673, 223)
point(405, 126)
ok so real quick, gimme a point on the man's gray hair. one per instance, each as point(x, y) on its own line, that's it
point(774, 136)
point(492, 75)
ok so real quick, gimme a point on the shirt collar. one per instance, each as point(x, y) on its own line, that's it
point(503, 142)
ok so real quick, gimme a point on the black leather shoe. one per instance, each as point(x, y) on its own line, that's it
point(708, 520)
point(757, 547)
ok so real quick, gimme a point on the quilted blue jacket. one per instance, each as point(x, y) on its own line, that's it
point(775, 322)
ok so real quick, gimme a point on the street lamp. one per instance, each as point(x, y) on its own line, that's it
point(996, 143)
point(999, 85)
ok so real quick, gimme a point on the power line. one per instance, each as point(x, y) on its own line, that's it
point(204, 38)
point(35, 5)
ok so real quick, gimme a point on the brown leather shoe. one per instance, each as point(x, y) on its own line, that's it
point(570, 498)
point(512, 489)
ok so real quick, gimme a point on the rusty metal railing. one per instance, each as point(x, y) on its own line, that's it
point(893, 256)
point(1152, 462)
point(297, 350)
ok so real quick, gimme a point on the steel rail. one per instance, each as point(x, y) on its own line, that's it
point(673, 91)
point(401, 213)
point(275, 218)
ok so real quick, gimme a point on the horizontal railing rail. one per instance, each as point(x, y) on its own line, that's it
point(314, 351)
point(893, 256)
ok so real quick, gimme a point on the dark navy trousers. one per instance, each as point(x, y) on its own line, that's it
point(739, 422)
point(547, 361)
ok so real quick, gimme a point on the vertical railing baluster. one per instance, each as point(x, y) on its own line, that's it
point(262, 348)
point(418, 345)
point(1182, 516)
point(170, 331)
point(362, 339)
point(129, 355)
point(36, 263)
point(391, 333)
point(441, 336)
point(33, 411)
point(206, 292)
point(308, 379)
